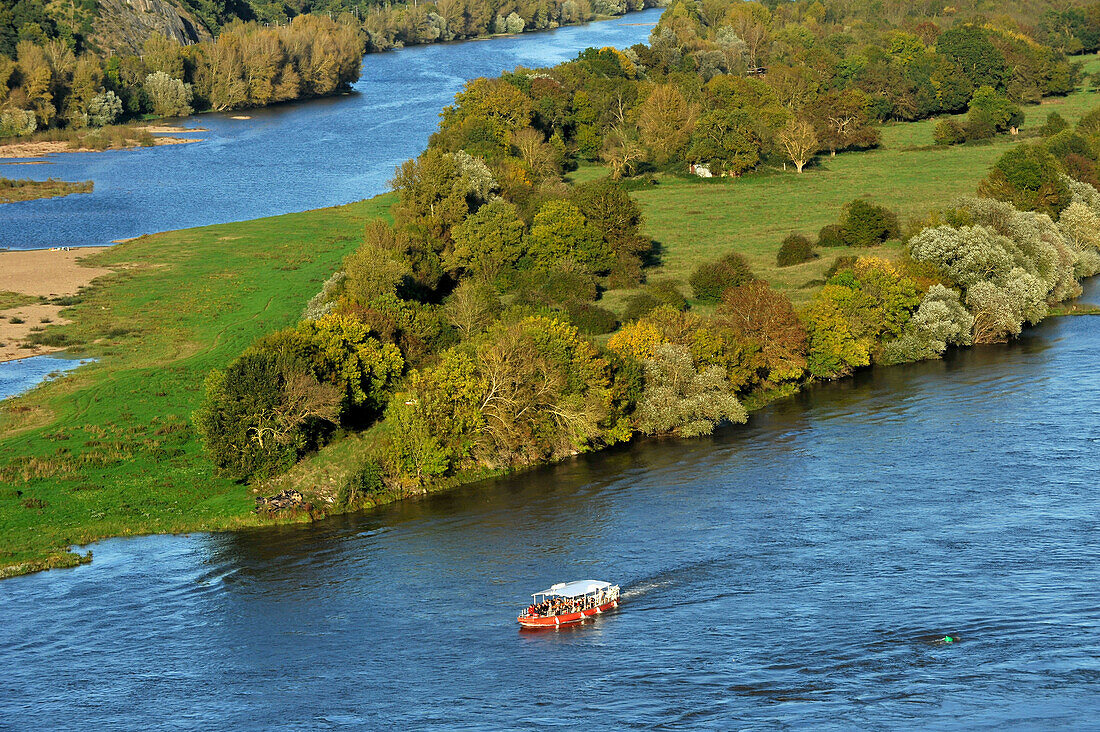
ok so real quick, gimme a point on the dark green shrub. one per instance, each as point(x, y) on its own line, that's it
point(830, 236)
point(1027, 176)
point(363, 483)
point(795, 249)
point(1068, 142)
point(711, 279)
point(1055, 123)
point(865, 224)
point(638, 305)
point(591, 319)
point(553, 288)
point(667, 292)
point(948, 132)
point(841, 263)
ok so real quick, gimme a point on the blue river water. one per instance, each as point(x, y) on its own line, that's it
point(794, 573)
point(286, 158)
point(23, 375)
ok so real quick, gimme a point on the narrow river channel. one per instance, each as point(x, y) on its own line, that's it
point(791, 573)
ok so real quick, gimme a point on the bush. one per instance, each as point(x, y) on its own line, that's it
point(795, 249)
point(1027, 176)
point(17, 122)
point(710, 280)
point(866, 224)
point(1055, 123)
point(169, 97)
point(948, 132)
point(553, 288)
point(104, 109)
point(591, 319)
point(638, 305)
point(365, 482)
point(830, 236)
point(838, 265)
point(667, 292)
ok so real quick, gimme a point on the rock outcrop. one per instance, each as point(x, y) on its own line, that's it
point(123, 26)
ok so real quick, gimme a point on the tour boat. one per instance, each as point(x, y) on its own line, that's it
point(569, 602)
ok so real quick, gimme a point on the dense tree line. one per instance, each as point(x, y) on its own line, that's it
point(475, 315)
point(248, 65)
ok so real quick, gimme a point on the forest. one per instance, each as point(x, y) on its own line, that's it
point(466, 335)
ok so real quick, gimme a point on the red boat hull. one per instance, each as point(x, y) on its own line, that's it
point(556, 621)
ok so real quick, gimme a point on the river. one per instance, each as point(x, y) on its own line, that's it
point(290, 157)
point(792, 573)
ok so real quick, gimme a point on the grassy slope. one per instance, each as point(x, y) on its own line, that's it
point(110, 450)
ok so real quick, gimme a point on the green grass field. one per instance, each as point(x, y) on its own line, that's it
point(110, 449)
point(696, 220)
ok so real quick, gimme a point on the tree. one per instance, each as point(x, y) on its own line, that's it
point(969, 46)
point(842, 119)
point(799, 142)
point(169, 97)
point(1080, 226)
point(991, 113)
point(681, 400)
point(941, 320)
point(104, 109)
point(561, 233)
point(472, 307)
point(711, 279)
point(621, 152)
point(665, 122)
point(375, 269)
point(766, 321)
point(726, 141)
point(1027, 177)
point(261, 413)
point(489, 241)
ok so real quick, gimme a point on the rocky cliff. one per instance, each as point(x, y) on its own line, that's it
point(123, 25)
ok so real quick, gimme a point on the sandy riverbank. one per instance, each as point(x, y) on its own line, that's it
point(39, 273)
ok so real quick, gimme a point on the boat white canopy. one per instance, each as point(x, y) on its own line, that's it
point(579, 588)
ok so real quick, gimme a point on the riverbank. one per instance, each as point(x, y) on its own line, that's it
point(36, 286)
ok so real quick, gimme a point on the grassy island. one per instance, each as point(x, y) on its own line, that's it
point(497, 311)
point(25, 189)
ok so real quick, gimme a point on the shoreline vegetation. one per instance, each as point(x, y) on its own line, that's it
point(546, 280)
point(88, 140)
point(26, 189)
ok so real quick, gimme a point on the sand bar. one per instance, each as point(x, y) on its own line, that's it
point(39, 273)
point(49, 147)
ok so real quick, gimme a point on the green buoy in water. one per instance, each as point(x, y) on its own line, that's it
point(948, 639)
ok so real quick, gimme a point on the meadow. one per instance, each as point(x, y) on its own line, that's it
point(109, 450)
point(695, 220)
